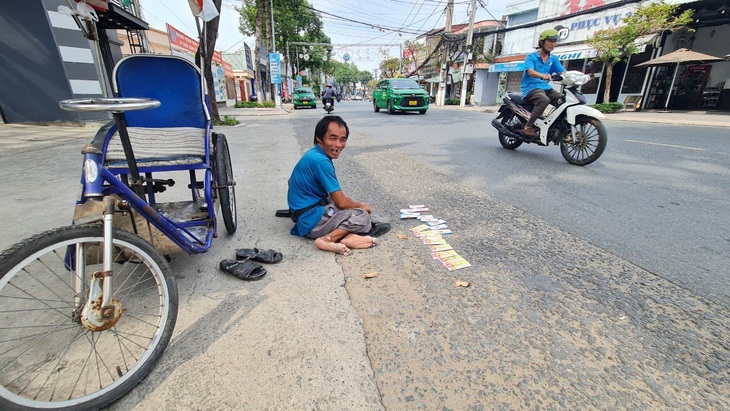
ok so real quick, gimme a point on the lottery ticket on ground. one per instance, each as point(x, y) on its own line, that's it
point(433, 240)
point(440, 247)
point(444, 254)
point(455, 264)
point(435, 222)
point(419, 228)
point(414, 210)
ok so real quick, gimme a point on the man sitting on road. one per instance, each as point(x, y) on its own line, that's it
point(318, 206)
point(536, 86)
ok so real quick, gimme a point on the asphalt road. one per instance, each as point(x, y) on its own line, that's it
point(550, 320)
point(657, 197)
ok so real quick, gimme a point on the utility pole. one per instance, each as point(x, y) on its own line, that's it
point(467, 54)
point(441, 96)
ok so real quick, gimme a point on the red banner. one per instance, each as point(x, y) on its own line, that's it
point(227, 70)
point(181, 40)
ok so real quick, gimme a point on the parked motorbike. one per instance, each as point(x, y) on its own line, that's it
point(328, 105)
point(573, 125)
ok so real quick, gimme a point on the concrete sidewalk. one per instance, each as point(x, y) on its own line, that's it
point(289, 341)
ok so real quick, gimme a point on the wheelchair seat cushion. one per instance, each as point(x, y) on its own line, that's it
point(159, 146)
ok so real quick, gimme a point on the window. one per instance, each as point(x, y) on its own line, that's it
point(636, 75)
point(591, 87)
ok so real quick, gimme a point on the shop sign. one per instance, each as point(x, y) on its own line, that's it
point(275, 70)
point(504, 67)
point(576, 54)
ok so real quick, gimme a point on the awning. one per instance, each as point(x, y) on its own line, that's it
point(574, 51)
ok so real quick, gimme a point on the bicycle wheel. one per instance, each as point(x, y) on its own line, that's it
point(226, 191)
point(48, 359)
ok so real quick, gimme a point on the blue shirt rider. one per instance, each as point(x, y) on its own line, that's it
point(535, 81)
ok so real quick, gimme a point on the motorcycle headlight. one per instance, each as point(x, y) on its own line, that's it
point(576, 78)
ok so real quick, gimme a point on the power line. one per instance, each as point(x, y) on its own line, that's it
point(361, 22)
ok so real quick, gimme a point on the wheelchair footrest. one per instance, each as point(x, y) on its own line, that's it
point(183, 211)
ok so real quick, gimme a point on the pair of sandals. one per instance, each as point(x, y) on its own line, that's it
point(245, 266)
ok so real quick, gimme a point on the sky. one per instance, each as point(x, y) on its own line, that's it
point(399, 20)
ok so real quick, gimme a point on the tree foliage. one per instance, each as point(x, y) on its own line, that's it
point(294, 21)
point(347, 73)
point(614, 45)
point(389, 67)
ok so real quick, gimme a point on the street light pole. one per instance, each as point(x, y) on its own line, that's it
point(277, 97)
point(467, 54)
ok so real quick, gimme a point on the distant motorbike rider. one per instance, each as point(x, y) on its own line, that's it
point(329, 94)
point(536, 88)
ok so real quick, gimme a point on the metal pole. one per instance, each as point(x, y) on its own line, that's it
point(467, 54)
point(441, 96)
point(277, 97)
point(671, 86)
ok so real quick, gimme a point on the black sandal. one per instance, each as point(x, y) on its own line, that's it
point(245, 270)
point(262, 256)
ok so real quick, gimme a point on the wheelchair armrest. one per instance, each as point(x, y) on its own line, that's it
point(102, 134)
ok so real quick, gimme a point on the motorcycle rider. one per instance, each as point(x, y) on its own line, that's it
point(329, 94)
point(535, 81)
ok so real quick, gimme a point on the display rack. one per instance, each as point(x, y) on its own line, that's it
point(711, 96)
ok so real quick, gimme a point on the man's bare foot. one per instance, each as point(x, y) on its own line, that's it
point(325, 243)
point(358, 241)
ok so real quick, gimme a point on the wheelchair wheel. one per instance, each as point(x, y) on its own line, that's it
point(48, 358)
point(226, 190)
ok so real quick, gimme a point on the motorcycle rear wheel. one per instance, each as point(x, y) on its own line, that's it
point(506, 141)
point(509, 142)
point(588, 144)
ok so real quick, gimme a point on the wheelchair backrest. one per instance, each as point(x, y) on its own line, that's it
point(174, 81)
point(177, 129)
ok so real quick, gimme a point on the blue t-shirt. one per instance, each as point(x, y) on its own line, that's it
point(534, 61)
point(312, 179)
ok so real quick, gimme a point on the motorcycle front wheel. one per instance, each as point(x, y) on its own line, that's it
point(587, 143)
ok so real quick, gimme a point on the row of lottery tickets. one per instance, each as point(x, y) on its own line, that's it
point(432, 231)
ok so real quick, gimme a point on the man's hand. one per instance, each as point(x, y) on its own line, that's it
point(344, 202)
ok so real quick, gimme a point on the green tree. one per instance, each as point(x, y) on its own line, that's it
point(294, 21)
point(389, 67)
point(614, 45)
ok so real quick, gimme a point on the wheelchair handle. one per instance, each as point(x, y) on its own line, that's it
point(115, 105)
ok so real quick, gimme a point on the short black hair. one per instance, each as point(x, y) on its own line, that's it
point(321, 128)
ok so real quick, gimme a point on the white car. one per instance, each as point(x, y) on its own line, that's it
point(358, 96)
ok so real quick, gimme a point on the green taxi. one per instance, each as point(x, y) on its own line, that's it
point(303, 97)
point(399, 94)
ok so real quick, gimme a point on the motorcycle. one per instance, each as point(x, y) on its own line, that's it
point(328, 105)
point(574, 126)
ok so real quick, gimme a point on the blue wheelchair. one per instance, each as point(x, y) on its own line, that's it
point(87, 310)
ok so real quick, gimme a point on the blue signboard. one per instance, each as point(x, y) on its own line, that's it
point(512, 66)
point(275, 68)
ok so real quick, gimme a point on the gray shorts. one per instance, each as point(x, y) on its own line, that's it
point(354, 220)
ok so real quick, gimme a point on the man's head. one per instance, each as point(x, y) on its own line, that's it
point(331, 134)
point(547, 40)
